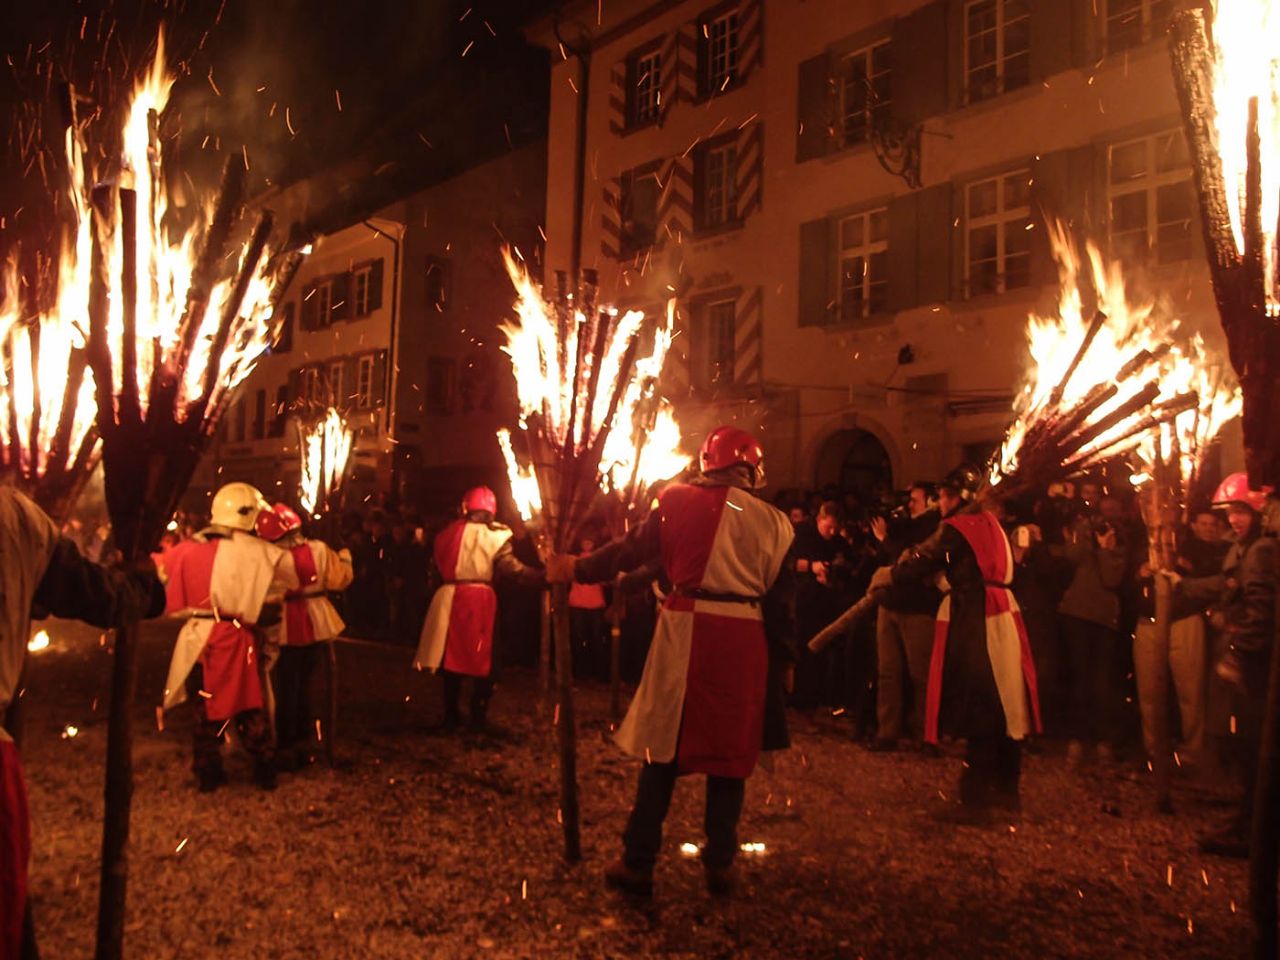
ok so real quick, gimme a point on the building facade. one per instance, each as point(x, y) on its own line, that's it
point(393, 320)
point(849, 201)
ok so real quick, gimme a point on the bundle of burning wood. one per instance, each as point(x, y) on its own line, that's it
point(591, 420)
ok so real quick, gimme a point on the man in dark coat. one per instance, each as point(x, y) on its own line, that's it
point(981, 677)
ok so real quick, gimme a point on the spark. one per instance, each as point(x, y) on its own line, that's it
point(180, 846)
point(337, 96)
point(216, 91)
point(69, 731)
point(39, 642)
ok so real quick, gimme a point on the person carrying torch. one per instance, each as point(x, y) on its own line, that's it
point(457, 636)
point(711, 696)
point(312, 570)
point(221, 581)
point(45, 573)
point(982, 682)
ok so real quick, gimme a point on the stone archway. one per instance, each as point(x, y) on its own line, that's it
point(855, 461)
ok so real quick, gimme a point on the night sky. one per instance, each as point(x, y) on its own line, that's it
point(414, 90)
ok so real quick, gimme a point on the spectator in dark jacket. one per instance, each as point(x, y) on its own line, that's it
point(1090, 616)
point(904, 627)
point(1039, 579)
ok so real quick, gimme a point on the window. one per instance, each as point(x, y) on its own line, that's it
point(437, 277)
point(284, 338)
point(719, 345)
point(238, 432)
point(637, 210)
point(716, 190)
point(259, 414)
point(317, 306)
point(997, 47)
point(863, 265)
point(1131, 23)
point(440, 374)
point(280, 412)
point(361, 290)
point(997, 241)
point(719, 48)
point(334, 383)
point(644, 88)
point(864, 88)
point(1151, 198)
point(364, 382)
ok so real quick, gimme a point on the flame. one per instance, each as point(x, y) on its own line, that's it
point(1131, 326)
point(324, 450)
point(166, 257)
point(643, 444)
point(1246, 38)
point(524, 485)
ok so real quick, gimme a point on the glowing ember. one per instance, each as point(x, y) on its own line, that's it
point(689, 849)
point(1111, 375)
point(39, 642)
point(70, 731)
point(324, 449)
point(1246, 38)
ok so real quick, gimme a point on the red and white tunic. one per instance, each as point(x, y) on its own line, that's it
point(222, 583)
point(458, 632)
point(1007, 647)
point(701, 699)
point(312, 569)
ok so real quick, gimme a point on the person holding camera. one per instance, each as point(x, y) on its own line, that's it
point(1090, 625)
point(822, 563)
point(904, 624)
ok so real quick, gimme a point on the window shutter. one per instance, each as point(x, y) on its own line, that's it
point(380, 384)
point(349, 385)
point(919, 56)
point(813, 130)
point(310, 318)
point(295, 386)
point(815, 273)
point(341, 309)
point(902, 252)
point(1062, 190)
point(284, 333)
point(934, 231)
point(375, 285)
point(1053, 37)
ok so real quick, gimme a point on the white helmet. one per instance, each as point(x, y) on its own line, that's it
point(236, 506)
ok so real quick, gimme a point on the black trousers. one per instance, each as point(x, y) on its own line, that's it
point(643, 837)
point(293, 673)
point(481, 694)
point(1092, 654)
point(252, 728)
point(992, 771)
point(590, 643)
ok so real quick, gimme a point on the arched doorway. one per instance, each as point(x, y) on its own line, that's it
point(855, 461)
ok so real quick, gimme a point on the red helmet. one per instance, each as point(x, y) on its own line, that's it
point(726, 446)
point(1235, 489)
point(479, 499)
point(277, 521)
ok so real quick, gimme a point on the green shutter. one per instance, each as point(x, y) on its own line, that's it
point(375, 286)
point(310, 319)
point(1064, 189)
point(1053, 37)
point(902, 252)
point(814, 110)
point(815, 273)
point(380, 384)
point(342, 306)
point(919, 52)
point(934, 232)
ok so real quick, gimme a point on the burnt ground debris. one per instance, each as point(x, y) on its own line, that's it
point(421, 844)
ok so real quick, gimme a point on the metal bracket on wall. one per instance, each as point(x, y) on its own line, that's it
point(897, 147)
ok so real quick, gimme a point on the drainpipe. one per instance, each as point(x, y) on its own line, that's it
point(391, 380)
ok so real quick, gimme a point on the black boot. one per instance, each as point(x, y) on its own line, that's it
point(264, 773)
